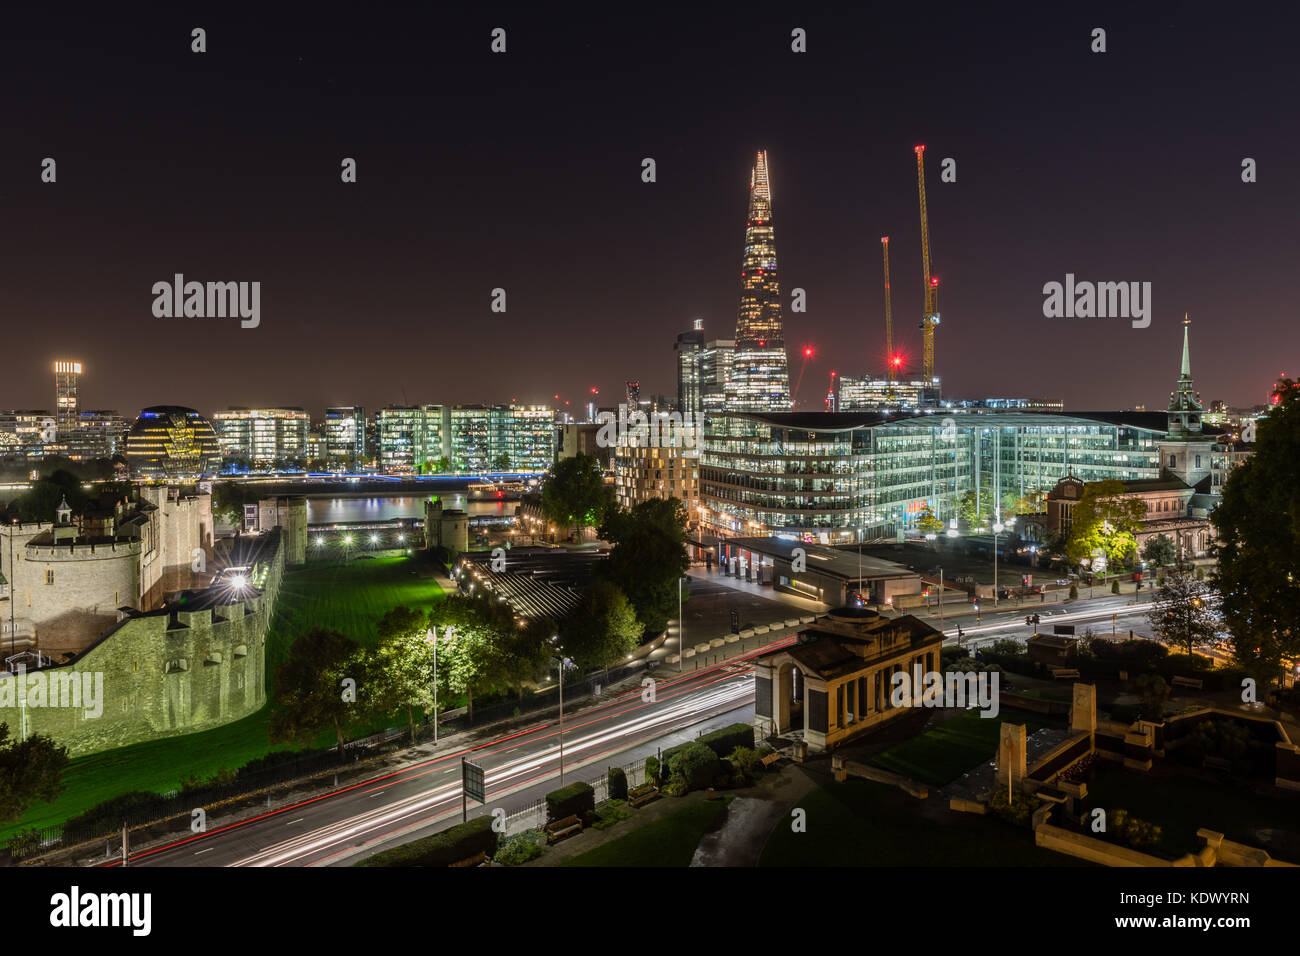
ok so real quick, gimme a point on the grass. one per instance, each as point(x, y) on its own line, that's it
point(348, 599)
point(1181, 803)
point(861, 823)
point(943, 753)
point(669, 841)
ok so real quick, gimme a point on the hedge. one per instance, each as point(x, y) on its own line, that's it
point(442, 849)
point(694, 763)
point(617, 784)
point(723, 742)
point(575, 799)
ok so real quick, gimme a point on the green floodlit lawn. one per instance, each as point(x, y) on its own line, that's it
point(861, 823)
point(1180, 804)
point(348, 599)
point(942, 754)
point(669, 841)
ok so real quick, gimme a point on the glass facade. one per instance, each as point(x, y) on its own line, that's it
point(835, 477)
point(760, 378)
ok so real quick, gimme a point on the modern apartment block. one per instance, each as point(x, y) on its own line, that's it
point(263, 437)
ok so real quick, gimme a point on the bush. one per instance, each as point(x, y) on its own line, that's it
point(652, 770)
point(746, 764)
point(1114, 586)
point(519, 849)
point(692, 766)
point(1074, 592)
point(1139, 834)
point(617, 784)
point(724, 741)
point(576, 799)
point(442, 849)
point(1018, 812)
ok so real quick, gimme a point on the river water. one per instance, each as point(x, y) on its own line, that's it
point(334, 509)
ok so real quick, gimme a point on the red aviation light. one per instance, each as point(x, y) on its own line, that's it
point(807, 353)
point(934, 281)
point(919, 149)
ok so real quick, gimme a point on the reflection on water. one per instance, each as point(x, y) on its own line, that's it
point(328, 509)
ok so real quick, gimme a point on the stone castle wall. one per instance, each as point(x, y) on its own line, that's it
point(165, 673)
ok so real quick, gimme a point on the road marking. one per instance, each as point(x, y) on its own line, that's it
point(292, 822)
point(208, 850)
point(377, 794)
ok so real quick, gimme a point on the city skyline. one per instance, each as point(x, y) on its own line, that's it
point(404, 261)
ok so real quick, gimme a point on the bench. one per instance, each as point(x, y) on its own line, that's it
point(640, 796)
point(769, 759)
point(1189, 682)
point(478, 859)
point(1064, 673)
point(562, 828)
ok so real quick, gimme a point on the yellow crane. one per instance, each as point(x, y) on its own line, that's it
point(930, 315)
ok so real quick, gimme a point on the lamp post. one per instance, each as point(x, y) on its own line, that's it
point(561, 662)
point(997, 530)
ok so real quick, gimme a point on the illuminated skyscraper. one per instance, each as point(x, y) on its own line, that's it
point(66, 376)
point(760, 378)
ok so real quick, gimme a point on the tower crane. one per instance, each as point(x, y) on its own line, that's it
point(930, 314)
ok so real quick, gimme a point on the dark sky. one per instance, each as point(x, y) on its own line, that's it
point(522, 171)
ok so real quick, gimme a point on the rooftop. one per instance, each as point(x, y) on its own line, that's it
point(827, 560)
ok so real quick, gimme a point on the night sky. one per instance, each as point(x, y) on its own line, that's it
point(522, 171)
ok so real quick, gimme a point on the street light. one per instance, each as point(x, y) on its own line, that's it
point(556, 637)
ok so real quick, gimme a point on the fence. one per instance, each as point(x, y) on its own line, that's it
point(153, 808)
point(532, 816)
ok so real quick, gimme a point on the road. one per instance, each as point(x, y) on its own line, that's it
point(521, 767)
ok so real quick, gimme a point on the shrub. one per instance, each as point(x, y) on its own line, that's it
point(746, 765)
point(1074, 592)
point(574, 800)
point(724, 741)
point(693, 766)
point(1139, 834)
point(442, 849)
point(652, 770)
point(1114, 586)
point(1018, 812)
point(610, 813)
point(617, 784)
point(519, 849)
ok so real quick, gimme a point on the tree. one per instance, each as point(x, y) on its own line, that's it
point(927, 523)
point(1257, 532)
point(501, 462)
point(602, 629)
point(30, 770)
point(648, 557)
point(1104, 524)
point(575, 495)
point(45, 495)
point(1181, 614)
point(480, 647)
point(228, 500)
point(404, 665)
point(310, 693)
point(968, 508)
point(1160, 551)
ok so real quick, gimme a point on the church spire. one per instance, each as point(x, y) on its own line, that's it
point(1187, 360)
point(1184, 405)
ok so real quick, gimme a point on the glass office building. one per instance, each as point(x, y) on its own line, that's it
point(835, 477)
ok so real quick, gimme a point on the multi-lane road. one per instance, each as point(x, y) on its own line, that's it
point(522, 766)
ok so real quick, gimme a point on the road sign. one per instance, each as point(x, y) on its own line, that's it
point(1063, 629)
point(472, 781)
